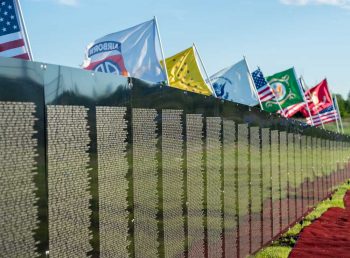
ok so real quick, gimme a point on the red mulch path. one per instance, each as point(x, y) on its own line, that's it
point(328, 236)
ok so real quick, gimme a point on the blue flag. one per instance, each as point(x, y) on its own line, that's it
point(235, 83)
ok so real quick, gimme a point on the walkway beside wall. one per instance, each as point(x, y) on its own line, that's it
point(329, 236)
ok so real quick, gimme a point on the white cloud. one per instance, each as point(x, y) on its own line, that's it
point(338, 3)
point(68, 2)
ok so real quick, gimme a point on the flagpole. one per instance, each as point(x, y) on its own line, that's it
point(278, 103)
point(302, 93)
point(254, 86)
point(24, 29)
point(318, 113)
point(333, 106)
point(340, 119)
point(205, 71)
point(161, 50)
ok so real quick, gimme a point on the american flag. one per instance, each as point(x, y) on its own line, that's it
point(264, 90)
point(12, 37)
point(292, 110)
point(328, 115)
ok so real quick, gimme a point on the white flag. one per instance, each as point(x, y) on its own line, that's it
point(131, 52)
point(235, 83)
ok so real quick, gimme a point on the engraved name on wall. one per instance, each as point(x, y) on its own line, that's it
point(243, 189)
point(195, 184)
point(18, 167)
point(229, 163)
point(68, 181)
point(172, 174)
point(112, 182)
point(145, 179)
point(214, 202)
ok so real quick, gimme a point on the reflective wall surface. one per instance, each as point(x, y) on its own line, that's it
point(96, 165)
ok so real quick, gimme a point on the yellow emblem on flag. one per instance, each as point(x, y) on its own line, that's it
point(184, 73)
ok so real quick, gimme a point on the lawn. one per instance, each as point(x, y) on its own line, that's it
point(346, 125)
point(283, 246)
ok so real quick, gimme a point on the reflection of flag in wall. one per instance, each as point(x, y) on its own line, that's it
point(234, 83)
point(319, 97)
point(131, 52)
point(263, 88)
point(328, 115)
point(287, 91)
point(184, 73)
point(13, 41)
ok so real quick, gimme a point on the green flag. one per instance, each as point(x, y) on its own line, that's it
point(286, 89)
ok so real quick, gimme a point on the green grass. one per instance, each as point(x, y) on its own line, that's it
point(282, 247)
point(346, 125)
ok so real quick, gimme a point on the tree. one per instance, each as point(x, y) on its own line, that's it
point(342, 104)
point(347, 104)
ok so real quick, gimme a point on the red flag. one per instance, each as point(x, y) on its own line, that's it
point(319, 97)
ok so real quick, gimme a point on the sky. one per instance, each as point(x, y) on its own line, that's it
point(311, 35)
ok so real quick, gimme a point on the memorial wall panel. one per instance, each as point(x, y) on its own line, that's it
point(230, 188)
point(256, 189)
point(284, 179)
point(243, 187)
point(318, 155)
point(23, 201)
point(276, 183)
point(214, 186)
point(304, 173)
point(324, 169)
point(292, 215)
point(112, 181)
point(314, 170)
point(173, 182)
point(311, 176)
point(68, 181)
point(18, 168)
point(195, 185)
point(145, 182)
point(298, 176)
point(266, 184)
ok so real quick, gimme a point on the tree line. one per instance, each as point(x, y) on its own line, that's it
point(344, 105)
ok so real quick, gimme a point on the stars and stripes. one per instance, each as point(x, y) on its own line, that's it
point(328, 115)
point(12, 36)
point(292, 110)
point(264, 90)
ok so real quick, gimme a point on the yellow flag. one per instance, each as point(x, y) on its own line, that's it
point(184, 73)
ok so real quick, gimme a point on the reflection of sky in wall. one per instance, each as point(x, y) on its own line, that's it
point(94, 84)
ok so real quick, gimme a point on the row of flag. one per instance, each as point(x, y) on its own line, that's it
point(136, 51)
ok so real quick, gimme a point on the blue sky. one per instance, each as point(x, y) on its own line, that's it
point(312, 35)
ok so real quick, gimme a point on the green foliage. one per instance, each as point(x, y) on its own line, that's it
point(346, 124)
point(343, 105)
point(274, 252)
point(283, 246)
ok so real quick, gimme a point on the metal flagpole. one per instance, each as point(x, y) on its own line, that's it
point(26, 38)
point(333, 106)
point(302, 93)
point(206, 74)
point(340, 119)
point(252, 80)
point(161, 49)
point(302, 81)
point(278, 103)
